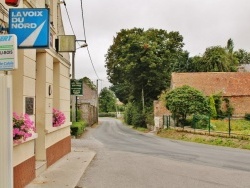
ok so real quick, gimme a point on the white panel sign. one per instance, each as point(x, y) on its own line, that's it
point(8, 52)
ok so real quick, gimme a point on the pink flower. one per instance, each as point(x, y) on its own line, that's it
point(23, 127)
point(58, 118)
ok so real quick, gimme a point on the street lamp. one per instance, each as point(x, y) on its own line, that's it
point(73, 77)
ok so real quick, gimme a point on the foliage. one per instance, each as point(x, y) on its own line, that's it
point(77, 128)
point(149, 116)
point(141, 60)
point(107, 100)
point(242, 56)
point(216, 59)
point(213, 112)
point(184, 101)
point(138, 118)
point(247, 116)
point(128, 114)
point(23, 127)
point(78, 115)
point(229, 107)
point(133, 115)
point(205, 139)
point(217, 103)
point(202, 122)
point(58, 118)
point(87, 81)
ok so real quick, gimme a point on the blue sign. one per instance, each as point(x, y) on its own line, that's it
point(31, 26)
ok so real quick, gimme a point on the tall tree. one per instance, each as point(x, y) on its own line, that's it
point(107, 100)
point(141, 62)
point(215, 59)
point(243, 56)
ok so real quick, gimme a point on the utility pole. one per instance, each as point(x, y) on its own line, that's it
point(73, 97)
point(97, 102)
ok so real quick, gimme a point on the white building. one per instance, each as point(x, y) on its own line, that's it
point(41, 83)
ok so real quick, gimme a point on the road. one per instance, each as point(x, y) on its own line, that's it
point(130, 159)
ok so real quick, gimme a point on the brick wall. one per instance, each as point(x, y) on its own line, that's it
point(89, 113)
point(24, 173)
point(58, 150)
point(88, 104)
point(159, 110)
point(241, 105)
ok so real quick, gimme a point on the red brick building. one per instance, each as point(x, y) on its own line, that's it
point(88, 104)
point(233, 85)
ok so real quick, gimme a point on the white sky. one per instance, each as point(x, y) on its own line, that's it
point(202, 23)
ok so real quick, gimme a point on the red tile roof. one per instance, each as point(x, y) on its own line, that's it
point(228, 83)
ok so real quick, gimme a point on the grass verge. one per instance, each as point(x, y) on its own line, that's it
point(204, 139)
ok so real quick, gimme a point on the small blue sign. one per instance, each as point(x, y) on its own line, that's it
point(31, 26)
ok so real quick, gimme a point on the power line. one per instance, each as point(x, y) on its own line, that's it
point(70, 20)
point(84, 31)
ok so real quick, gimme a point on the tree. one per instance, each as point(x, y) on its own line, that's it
point(87, 81)
point(242, 56)
point(213, 112)
point(218, 59)
point(215, 59)
point(184, 101)
point(107, 100)
point(139, 63)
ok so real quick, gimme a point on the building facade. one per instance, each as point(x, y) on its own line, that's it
point(232, 85)
point(41, 83)
point(88, 104)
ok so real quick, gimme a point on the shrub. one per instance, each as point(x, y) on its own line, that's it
point(77, 128)
point(138, 120)
point(213, 112)
point(200, 121)
point(247, 116)
point(128, 114)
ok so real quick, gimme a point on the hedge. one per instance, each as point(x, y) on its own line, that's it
point(77, 128)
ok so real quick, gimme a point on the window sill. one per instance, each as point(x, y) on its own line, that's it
point(33, 137)
point(53, 129)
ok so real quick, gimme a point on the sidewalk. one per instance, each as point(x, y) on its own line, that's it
point(67, 171)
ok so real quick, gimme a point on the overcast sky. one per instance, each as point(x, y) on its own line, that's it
point(202, 23)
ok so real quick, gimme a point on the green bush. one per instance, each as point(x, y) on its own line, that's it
point(200, 121)
point(128, 114)
point(138, 120)
point(247, 116)
point(78, 115)
point(77, 128)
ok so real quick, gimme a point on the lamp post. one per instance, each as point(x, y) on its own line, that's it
point(73, 106)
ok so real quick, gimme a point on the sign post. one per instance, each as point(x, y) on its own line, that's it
point(6, 135)
point(76, 87)
point(8, 61)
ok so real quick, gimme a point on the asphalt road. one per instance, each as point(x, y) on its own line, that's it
point(130, 159)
